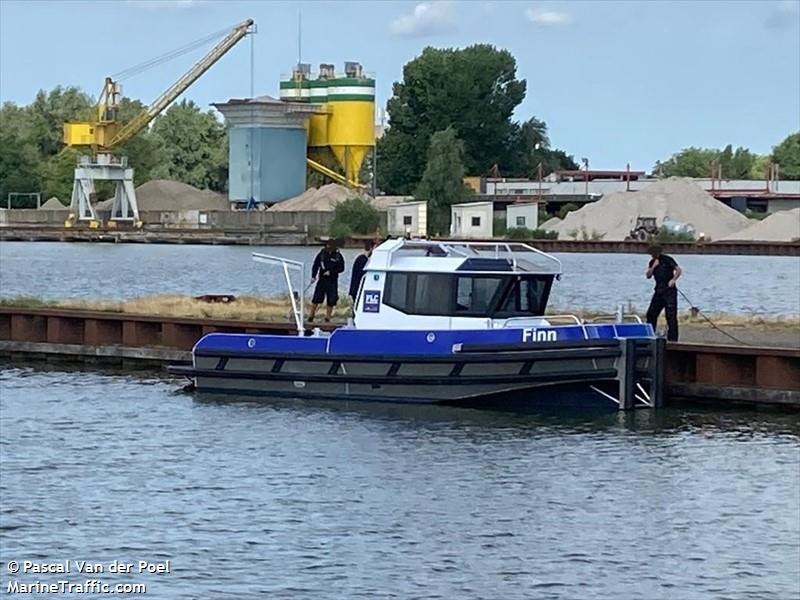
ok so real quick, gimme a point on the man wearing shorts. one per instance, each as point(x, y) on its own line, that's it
point(325, 271)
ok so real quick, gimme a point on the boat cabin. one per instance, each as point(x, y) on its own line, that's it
point(413, 284)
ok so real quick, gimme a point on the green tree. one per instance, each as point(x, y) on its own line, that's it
point(787, 156)
point(19, 155)
point(474, 90)
point(701, 162)
point(442, 183)
point(690, 162)
point(57, 173)
point(49, 111)
point(354, 215)
point(195, 145)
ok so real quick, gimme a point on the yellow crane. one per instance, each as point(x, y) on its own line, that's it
point(103, 133)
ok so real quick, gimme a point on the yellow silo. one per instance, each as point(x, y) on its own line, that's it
point(346, 127)
point(351, 118)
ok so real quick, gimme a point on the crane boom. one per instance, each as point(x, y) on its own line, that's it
point(141, 120)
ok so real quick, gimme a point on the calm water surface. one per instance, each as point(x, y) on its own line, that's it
point(330, 500)
point(733, 284)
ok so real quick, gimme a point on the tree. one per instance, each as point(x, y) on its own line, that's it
point(787, 156)
point(354, 215)
point(195, 146)
point(442, 183)
point(19, 156)
point(701, 162)
point(475, 91)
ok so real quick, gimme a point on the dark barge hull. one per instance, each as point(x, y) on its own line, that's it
point(619, 373)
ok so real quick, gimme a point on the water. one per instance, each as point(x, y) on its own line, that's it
point(732, 284)
point(330, 500)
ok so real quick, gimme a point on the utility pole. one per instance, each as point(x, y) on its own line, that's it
point(586, 178)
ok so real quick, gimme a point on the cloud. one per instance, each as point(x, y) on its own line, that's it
point(784, 15)
point(165, 4)
point(546, 17)
point(428, 18)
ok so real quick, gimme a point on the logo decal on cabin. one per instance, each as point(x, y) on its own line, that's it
point(372, 302)
point(531, 334)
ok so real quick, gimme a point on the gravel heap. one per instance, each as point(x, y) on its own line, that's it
point(550, 224)
point(676, 198)
point(782, 226)
point(325, 199)
point(53, 203)
point(163, 194)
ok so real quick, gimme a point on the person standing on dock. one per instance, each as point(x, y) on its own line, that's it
point(666, 272)
point(328, 263)
point(358, 270)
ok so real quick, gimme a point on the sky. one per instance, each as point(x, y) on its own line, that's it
point(616, 82)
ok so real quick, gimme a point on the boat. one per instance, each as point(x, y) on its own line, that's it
point(443, 322)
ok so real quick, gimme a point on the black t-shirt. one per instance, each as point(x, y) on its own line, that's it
point(358, 273)
point(664, 271)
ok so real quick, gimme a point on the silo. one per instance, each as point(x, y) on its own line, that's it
point(351, 118)
point(266, 148)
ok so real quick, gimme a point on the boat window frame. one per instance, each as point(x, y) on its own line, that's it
point(510, 282)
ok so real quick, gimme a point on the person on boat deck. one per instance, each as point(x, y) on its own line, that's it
point(327, 265)
point(666, 272)
point(358, 269)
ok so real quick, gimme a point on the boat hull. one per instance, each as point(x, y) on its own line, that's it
point(560, 372)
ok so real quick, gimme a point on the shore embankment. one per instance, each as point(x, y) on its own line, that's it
point(738, 372)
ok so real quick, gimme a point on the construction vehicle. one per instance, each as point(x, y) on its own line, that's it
point(104, 133)
point(645, 229)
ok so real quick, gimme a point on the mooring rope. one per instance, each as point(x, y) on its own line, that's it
point(710, 322)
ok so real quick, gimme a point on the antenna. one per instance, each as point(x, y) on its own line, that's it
point(299, 36)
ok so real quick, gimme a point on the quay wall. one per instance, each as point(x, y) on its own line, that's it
point(697, 372)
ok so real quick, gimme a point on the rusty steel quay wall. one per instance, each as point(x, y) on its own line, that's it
point(698, 372)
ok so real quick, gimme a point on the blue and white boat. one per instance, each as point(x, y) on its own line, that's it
point(443, 322)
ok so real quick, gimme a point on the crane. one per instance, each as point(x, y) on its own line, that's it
point(104, 133)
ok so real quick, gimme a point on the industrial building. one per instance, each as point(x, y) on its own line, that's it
point(472, 220)
point(522, 215)
point(408, 219)
point(575, 187)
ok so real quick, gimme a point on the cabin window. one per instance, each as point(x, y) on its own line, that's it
point(407, 220)
point(527, 296)
point(520, 221)
point(477, 295)
point(476, 221)
point(419, 293)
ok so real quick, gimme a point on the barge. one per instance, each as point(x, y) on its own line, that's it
point(443, 322)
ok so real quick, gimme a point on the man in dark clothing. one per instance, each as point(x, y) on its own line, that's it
point(358, 270)
point(665, 271)
point(328, 264)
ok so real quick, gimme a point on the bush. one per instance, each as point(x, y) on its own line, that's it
point(664, 235)
point(523, 233)
point(499, 227)
point(354, 216)
point(567, 208)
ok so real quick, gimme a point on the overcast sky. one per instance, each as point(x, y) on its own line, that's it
point(615, 81)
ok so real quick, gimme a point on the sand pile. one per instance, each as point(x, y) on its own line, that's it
point(782, 226)
point(677, 198)
point(550, 224)
point(163, 194)
point(53, 203)
point(324, 198)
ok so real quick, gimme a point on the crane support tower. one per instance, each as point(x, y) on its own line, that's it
point(104, 133)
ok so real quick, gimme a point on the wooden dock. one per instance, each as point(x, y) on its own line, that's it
point(694, 372)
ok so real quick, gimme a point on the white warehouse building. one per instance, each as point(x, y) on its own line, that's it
point(522, 215)
point(407, 219)
point(472, 220)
